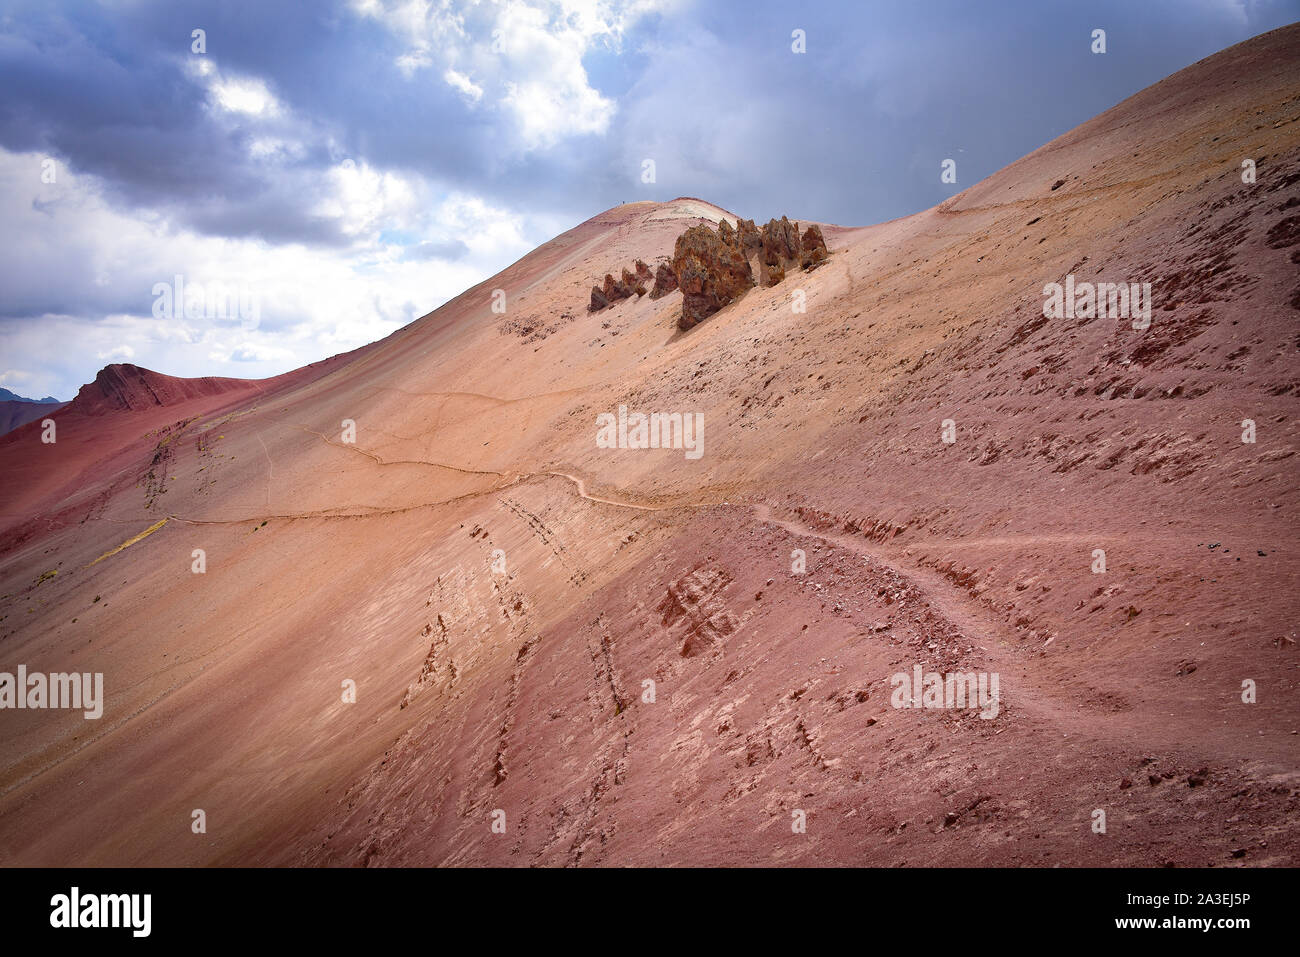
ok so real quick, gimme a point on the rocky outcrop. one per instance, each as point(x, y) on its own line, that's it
point(783, 250)
point(711, 272)
point(814, 248)
point(628, 284)
point(780, 242)
point(616, 289)
point(751, 240)
point(713, 268)
point(665, 282)
point(634, 283)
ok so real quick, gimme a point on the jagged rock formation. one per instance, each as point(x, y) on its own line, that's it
point(814, 248)
point(780, 242)
point(665, 282)
point(616, 289)
point(714, 268)
point(627, 285)
point(633, 283)
point(711, 271)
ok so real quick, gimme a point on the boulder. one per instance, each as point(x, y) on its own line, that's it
point(598, 300)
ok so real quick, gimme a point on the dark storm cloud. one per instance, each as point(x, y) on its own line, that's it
point(854, 131)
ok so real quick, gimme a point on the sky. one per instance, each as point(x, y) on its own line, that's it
point(302, 178)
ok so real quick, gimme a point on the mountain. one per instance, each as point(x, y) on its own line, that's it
point(7, 396)
point(16, 412)
point(124, 387)
point(362, 612)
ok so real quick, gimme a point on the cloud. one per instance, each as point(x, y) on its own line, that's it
point(244, 95)
point(117, 354)
point(526, 60)
point(463, 84)
point(90, 273)
point(359, 163)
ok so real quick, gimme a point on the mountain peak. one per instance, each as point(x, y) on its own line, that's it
point(122, 386)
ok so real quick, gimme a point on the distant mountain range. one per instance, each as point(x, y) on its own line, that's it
point(7, 396)
point(16, 410)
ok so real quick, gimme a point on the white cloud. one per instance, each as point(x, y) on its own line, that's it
point(81, 254)
point(233, 93)
point(363, 199)
point(524, 57)
point(245, 95)
point(121, 353)
point(11, 379)
point(251, 352)
point(467, 87)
